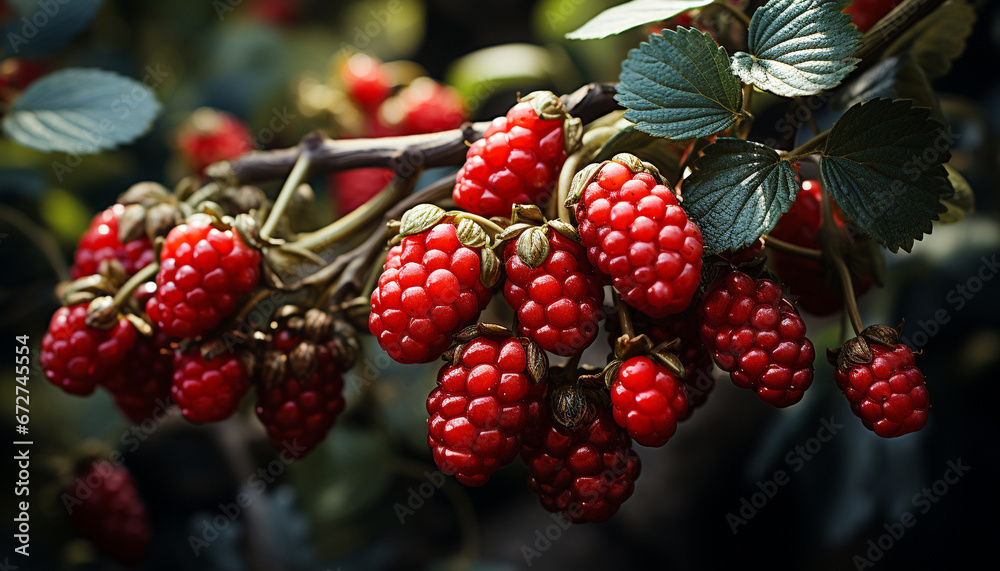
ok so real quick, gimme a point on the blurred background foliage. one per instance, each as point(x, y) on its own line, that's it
point(356, 503)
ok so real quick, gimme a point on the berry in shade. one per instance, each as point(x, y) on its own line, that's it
point(100, 242)
point(424, 106)
point(104, 507)
point(517, 161)
point(867, 13)
point(430, 288)
point(586, 473)
point(558, 303)
point(758, 337)
point(636, 233)
point(208, 390)
point(210, 136)
point(481, 407)
point(141, 386)
point(204, 271)
point(76, 357)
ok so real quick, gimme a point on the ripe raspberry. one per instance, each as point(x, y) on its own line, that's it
point(105, 507)
point(758, 337)
point(636, 233)
point(141, 386)
point(587, 473)
point(424, 106)
point(366, 80)
point(648, 400)
point(100, 242)
point(805, 278)
point(888, 394)
point(867, 13)
point(428, 290)
point(208, 391)
point(558, 303)
point(481, 408)
point(301, 410)
point(211, 136)
point(203, 273)
point(75, 357)
point(516, 162)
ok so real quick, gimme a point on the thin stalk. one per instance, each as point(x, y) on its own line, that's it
point(292, 183)
point(124, 293)
point(743, 18)
point(492, 228)
point(624, 319)
point(808, 147)
point(794, 249)
point(592, 142)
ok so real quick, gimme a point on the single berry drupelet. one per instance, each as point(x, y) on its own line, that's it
point(636, 233)
point(100, 242)
point(647, 400)
point(559, 303)
point(203, 274)
point(481, 407)
point(208, 390)
point(105, 507)
point(586, 473)
point(516, 162)
point(888, 394)
point(758, 337)
point(76, 357)
point(141, 386)
point(299, 410)
point(429, 289)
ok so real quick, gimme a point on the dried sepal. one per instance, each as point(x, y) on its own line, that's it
point(272, 368)
point(420, 218)
point(494, 330)
point(572, 134)
point(882, 334)
point(471, 234)
point(538, 363)
point(131, 223)
point(511, 232)
point(637, 165)
point(161, 218)
point(146, 192)
point(611, 373)
point(303, 359)
point(489, 267)
point(570, 406)
point(854, 352)
point(102, 313)
point(318, 324)
point(627, 347)
point(467, 333)
point(140, 324)
point(671, 362)
point(565, 228)
point(546, 104)
point(527, 213)
point(249, 231)
point(533, 246)
point(580, 182)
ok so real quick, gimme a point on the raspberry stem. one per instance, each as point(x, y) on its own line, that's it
point(144, 275)
point(736, 12)
point(624, 319)
point(285, 196)
point(807, 148)
point(789, 248)
point(592, 142)
point(832, 240)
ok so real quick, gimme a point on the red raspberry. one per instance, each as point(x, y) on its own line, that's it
point(429, 289)
point(366, 80)
point(636, 233)
point(141, 386)
point(105, 507)
point(587, 473)
point(424, 106)
point(888, 394)
point(17, 74)
point(208, 391)
point(100, 242)
point(867, 13)
point(516, 162)
point(301, 411)
point(481, 408)
point(648, 400)
point(355, 187)
point(758, 337)
point(76, 357)
point(559, 303)
point(210, 136)
point(203, 273)
point(805, 278)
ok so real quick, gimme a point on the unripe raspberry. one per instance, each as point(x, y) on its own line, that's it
point(758, 337)
point(429, 289)
point(105, 507)
point(481, 407)
point(648, 400)
point(208, 390)
point(558, 303)
point(636, 233)
point(75, 357)
point(100, 242)
point(586, 473)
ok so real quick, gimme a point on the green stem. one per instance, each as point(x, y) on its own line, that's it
point(807, 147)
point(794, 249)
point(592, 142)
point(124, 293)
point(285, 196)
point(834, 249)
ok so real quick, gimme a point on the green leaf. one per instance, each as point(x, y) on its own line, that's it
point(44, 27)
point(81, 111)
point(882, 164)
point(737, 192)
point(631, 14)
point(678, 85)
point(938, 39)
point(798, 47)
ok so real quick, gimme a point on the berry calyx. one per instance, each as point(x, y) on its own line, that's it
point(636, 233)
point(648, 400)
point(203, 274)
point(758, 337)
point(208, 390)
point(76, 357)
point(484, 400)
point(100, 242)
point(517, 161)
point(557, 298)
point(586, 473)
point(104, 506)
